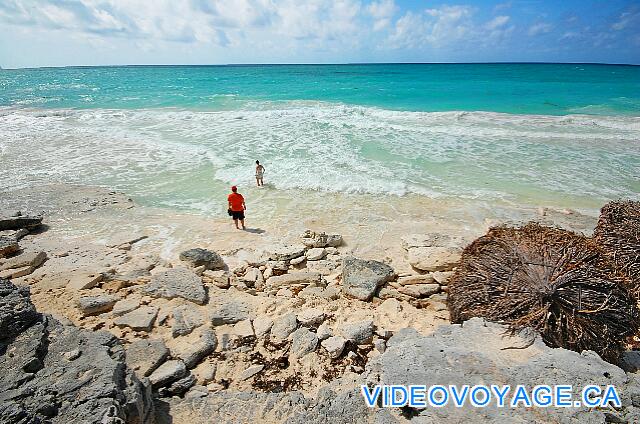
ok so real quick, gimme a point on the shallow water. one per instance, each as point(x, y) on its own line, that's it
point(178, 137)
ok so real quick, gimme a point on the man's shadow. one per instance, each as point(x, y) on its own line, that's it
point(255, 230)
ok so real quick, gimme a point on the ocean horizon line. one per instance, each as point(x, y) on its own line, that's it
point(231, 65)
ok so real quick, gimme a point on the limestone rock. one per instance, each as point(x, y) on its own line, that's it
point(168, 372)
point(96, 304)
point(140, 319)
point(284, 252)
point(185, 320)
point(123, 306)
point(50, 372)
point(27, 259)
point(145, 355)
point(420, 290)
point(334, 345)
point(177, 282)
point(313, 239)
point(262, 325)
point(442, 277)
point(243, 328)
point(193, 347)
point(416, 279)
point(283, 327)
point(84, 280)
point(361, 279)
point(219, 279)
point(16, 310)
point(205, 372)
point(303, 342)
point(228, 311)
point(434, 258)
point(296, 261)
point(359, 332)
point(199, 257)
point(295, 278)
point(324, 331)
point(310, 317)
point(315, 254)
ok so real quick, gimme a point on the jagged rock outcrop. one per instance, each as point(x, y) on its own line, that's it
point(55, 373)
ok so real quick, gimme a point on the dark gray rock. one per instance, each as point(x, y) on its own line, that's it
point(16, 310)
point(8, 246)
point(199, 257)
point(18, 222)
point(193, 348)
point(179, 387)
point(361, 279)
point(52, 373)
point(177, 282)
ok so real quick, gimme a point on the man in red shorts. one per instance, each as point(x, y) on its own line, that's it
point(237, 206)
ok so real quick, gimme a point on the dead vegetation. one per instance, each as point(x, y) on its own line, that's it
point(554, 281)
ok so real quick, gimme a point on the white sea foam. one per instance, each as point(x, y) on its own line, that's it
point(175, 157)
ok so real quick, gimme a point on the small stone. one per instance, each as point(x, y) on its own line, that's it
point(420, 290)
point(8, 246)
point(285, 252)
point(315, 254)
point(123, 306)
point(84, 281)
point(250, 372)
point(284, 293)
point(205, 372)
point(219, 279)
point(334, 346)
point(144, 356)
point(380, 345)
point(442, 277)
point(295, 261)
point(140, 319)
point(283, 327)
point(416, 279)
point(324, 331)
point(93, 305)
point(197, 391)
point(262, 325)
point(303, 342)
point(311, 317)
point(215, 387)
point(185, 319)
point(168, 372)
point(72, 355)
point(359, 332)
point(192, 348)
point(294, 278)
point(243, 328)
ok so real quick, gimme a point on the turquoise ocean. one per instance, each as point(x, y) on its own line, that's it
point(565, 135)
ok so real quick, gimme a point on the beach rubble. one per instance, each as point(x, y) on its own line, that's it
point(291, 328)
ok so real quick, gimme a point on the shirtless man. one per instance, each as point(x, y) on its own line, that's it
point(237, 206)
point(259, 173)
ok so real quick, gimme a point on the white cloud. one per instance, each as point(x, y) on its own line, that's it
point(497, 22)
point(382, 11)
point(539, 28)
point(625, 19)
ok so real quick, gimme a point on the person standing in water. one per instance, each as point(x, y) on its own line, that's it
point(259, 173)
point(236, 206)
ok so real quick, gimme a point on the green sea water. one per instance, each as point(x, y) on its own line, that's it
point(524, 134)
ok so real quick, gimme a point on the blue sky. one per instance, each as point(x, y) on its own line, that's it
point(109, 32)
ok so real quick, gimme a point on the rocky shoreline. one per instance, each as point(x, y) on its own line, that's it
point(284, 331)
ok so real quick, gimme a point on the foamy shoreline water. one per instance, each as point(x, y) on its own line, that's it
point(314, 152)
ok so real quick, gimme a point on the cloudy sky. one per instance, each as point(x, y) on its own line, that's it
point(107, 32)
